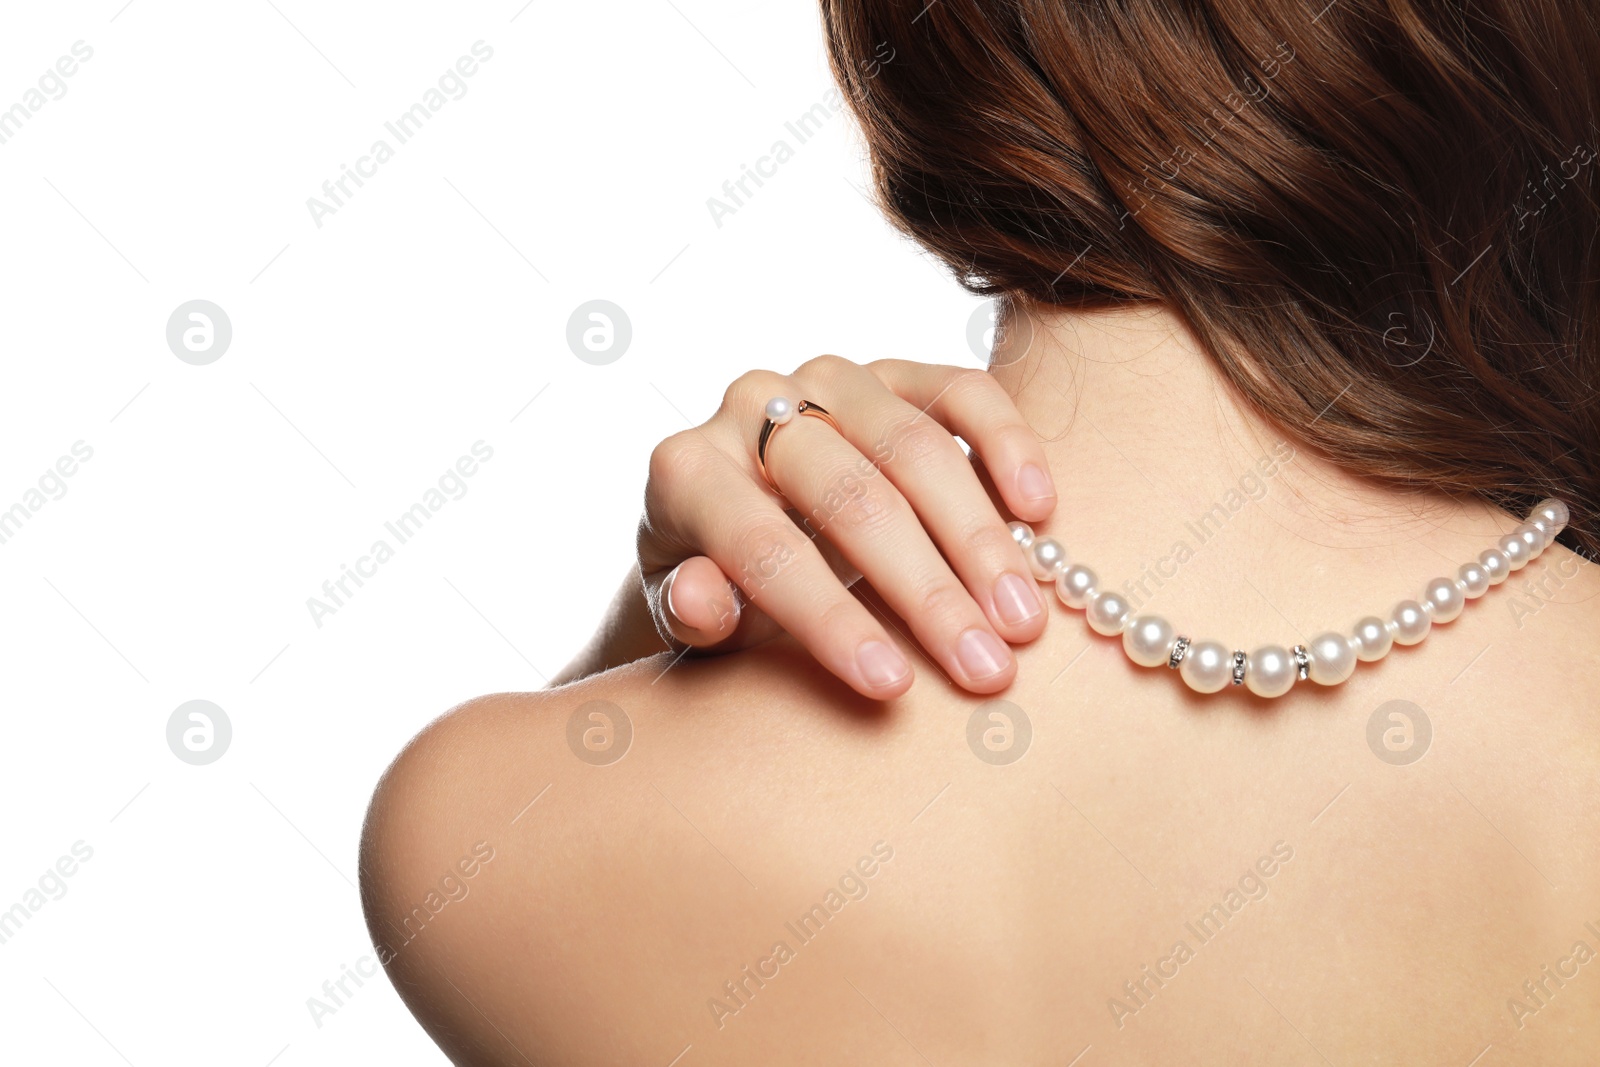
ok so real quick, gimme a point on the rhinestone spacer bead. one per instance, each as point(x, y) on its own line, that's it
point(1180, 649)
point(1302, 662)
point(1238, 667)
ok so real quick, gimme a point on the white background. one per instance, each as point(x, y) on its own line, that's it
point(367, 356)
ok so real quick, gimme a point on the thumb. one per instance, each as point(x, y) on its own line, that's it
point(696, 605)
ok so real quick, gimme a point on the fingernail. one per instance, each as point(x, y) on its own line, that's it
point(719, 610)
point(881, 665)
point(1015, 600)
point(666, 592)
point(981, 654)
point(1033, 483)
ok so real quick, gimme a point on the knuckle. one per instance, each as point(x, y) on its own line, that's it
point(988, 540)
point(857, 503)
point(752, 388)
point(967, 384)
point(761, 551)
point(1017, 434)
point(943, 598)
point(676, 457)
point(839, 615)
point(917, 441)
point(826, 367)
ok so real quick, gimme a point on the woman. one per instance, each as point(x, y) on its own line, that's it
point(1298, 353)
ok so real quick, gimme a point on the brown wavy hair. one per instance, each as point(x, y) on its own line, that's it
point(1378, 216)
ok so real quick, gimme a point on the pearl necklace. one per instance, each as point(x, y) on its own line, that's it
point(1271, 671)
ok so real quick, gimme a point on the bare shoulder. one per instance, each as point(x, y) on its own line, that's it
point(545, 873)
point(483, 830)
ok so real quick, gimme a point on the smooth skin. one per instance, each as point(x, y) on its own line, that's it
point(1353, 880)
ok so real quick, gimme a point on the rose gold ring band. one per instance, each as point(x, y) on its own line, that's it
point(804, 407)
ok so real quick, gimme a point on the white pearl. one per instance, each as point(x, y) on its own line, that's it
point(1076, 586)
point(1147, 639)
point(1495, 565)
point(1047, 557)
point(1473, 580)
point(1371, 639)
point(1444, 599)
point(1514, 550)
point(780, 410)
point(1532, 536)
point(1207, 668)
point(1410, 622)
point(1108, 613)
point(1269, 671)
point(1333, 658)
point(1555, 513)
point(1022, 534)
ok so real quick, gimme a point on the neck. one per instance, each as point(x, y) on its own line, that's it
point(1162, 468)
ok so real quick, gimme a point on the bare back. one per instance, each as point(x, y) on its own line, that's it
point(1098, 868)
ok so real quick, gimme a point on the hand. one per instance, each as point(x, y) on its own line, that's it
point(895, 498)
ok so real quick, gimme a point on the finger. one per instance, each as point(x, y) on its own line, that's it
point(978, 409)
point(774, 564)
point(934, 474)
point(864, 514)
point(695, 604)
point(698, 605)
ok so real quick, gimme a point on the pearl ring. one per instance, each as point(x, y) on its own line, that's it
point(780, 410)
